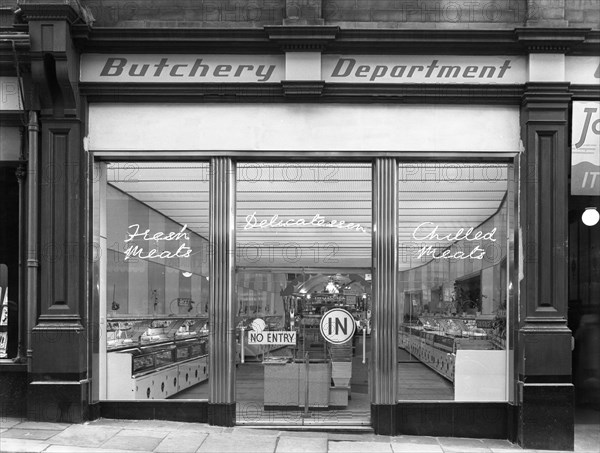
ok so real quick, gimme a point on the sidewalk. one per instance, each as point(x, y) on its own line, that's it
point(117, 436)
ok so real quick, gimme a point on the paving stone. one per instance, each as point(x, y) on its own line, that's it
point(460, 441)
point(312, 434)
point(500, 444)
point(412, 447)
point(466, 449)
point(359, 447)
point(72, 449)
point(226, 443)
point(34, 434)
point(301, 445)
point(255, 432)
point(84, 435)
point(181, 442)
point(202, 428)
point(509, 450)
point(133, 439)
point(161, 425)
point(9, 422)
point(426, 440)
point(42, 425)
point(359, 437)
point(19, 445)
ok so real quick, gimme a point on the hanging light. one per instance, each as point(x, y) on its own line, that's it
point(590, 216)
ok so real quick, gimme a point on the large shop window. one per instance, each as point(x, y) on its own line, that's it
point(454, 283)
point(156, 290)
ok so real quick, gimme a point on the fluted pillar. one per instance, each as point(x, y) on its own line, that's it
point(385, 276)
point(222, 288)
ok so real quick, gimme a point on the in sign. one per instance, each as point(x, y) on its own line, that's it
point(337, 326)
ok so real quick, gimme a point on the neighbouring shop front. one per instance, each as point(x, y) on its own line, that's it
point(305, 232)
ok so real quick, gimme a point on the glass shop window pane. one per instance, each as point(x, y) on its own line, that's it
point(454, 240)
point(156, 302)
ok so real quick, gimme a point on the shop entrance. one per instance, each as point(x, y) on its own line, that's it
point(303, 294)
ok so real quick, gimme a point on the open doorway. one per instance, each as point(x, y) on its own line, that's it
point(304, 257)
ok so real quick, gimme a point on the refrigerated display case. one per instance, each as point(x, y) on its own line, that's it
point(155, 358)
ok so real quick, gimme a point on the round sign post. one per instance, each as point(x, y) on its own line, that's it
point(337, 326)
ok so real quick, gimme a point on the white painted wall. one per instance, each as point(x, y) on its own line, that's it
point(302, 127)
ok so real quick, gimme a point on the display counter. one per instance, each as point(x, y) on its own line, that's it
point(155, 358)
point(437, 342)
point(285, 384)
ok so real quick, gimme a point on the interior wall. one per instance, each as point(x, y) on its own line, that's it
point(153, 285)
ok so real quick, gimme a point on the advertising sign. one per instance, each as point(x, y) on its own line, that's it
point(585, 149)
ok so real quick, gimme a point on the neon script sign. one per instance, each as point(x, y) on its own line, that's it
point(138, 252)
point(428, 231)
point(252, 222)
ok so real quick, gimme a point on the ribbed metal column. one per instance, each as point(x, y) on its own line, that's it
point(384, 312)
point(222, 287)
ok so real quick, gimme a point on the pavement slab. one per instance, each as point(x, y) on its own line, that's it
point(72, 449)
point(84, 435)
point(161, 425)
point(42, 425)
point(424, 440)
point(413, 447)
point(33, 434)
point(500, 444)
point(288, 444)
point(181, 442)
point(358, 437)
point(135, 439)
point(359, 447)
point(9, 422)
point(19, 445)
point(311, 434)
point(227, 443)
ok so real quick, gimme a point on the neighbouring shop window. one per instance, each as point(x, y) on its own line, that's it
point(454, 240)
point(9, 262)
point(156, 295)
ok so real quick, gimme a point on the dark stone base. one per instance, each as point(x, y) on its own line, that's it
point(13, 390)
point(51, 401)
point(221, 414)
point(454, 419)
point(179, 411)
point(546, 419)
point(383, 419)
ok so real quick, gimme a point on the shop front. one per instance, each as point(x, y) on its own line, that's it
point(328, 274)
point(283, 226)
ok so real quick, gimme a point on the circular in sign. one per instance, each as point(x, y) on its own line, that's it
point(337, 326)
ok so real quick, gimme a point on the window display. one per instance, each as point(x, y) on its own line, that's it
point(156, 281)
point(454, 226)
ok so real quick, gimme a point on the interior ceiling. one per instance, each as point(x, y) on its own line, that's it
point(451, 196)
